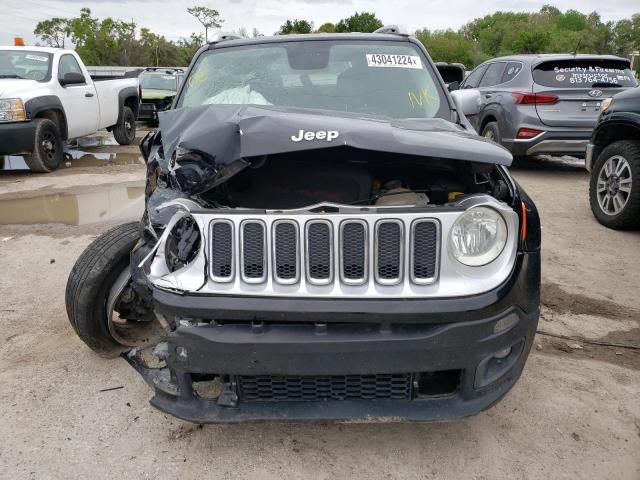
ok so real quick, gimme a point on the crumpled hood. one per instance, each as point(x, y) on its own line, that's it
point(228, 133)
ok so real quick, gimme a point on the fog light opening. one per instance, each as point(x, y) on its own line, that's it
point(432, 384)
point(208, 387)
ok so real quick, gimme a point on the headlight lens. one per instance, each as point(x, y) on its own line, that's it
point(12, 110)
point(183, 244)
point(606, 103)
point(478, 236)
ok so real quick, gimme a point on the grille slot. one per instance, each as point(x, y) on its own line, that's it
point(424, 251)
point(266, 388)
point(389, 251)
point(285, 251)
point(353, 250)
point(222, 250)
point(319, 252)
point(253, 252)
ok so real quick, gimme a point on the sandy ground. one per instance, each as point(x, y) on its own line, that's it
point(575, 413)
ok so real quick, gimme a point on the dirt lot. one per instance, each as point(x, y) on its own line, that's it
point(574, 414)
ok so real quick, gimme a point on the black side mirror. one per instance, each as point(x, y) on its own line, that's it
point(72, 78)
point(454, 86)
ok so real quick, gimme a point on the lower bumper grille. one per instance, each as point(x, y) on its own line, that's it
point(266, 388)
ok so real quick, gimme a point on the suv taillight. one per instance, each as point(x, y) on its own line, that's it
point(527, 133)
point(525, 98)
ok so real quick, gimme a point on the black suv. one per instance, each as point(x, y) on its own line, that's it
point(613, 158)
point(325, 238)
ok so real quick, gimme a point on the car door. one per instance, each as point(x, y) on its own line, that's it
point(473, 81)
point(79, 100)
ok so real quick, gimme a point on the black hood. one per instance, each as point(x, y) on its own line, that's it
point(227, 133)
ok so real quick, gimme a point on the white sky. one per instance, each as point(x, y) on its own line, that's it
point(170, 17)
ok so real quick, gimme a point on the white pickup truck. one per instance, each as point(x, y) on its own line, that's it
point(47, 97)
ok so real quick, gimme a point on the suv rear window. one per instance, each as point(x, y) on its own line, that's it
point(392, 79)
point(584, 73)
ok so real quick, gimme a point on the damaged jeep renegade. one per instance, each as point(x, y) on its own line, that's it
point(325, 238)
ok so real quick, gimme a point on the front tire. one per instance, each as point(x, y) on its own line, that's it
point(47, 149)
point(90, 284)
point(125, 131)
point(614, 189)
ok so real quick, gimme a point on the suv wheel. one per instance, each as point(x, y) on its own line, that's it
point(614, 190)
point(492, 132)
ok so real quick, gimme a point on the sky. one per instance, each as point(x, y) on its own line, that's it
point(170, 17)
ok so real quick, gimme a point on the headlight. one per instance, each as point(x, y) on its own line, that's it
point(478, 236)
point(12, 110)
point(183, 244)
point(606, 103)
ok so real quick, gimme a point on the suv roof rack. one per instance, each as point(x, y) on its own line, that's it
point(391, 29)
point(224, 36)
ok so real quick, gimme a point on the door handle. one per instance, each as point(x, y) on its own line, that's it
point(88, 94)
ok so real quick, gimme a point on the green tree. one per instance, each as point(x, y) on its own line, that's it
point(326, 28)
point(53, 31)
point(295, 26)
point(208, 17)
point(359, 22)
point(447, 46)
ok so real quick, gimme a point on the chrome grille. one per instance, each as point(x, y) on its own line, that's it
point(389, 251)
point(253, 252)
point(222, 250)
point(353, 251)
point(424, 256)
point(319, 252)
point(285, 251)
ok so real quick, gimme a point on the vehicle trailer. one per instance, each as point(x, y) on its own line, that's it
point(47, 98)
point(314, 250)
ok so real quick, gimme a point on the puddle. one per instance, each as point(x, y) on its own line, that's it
point(76, 158)
point(114, 203)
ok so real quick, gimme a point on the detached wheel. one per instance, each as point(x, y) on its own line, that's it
point(48, 147)
point(98, 286)
point(492, 132)
point(614, 190)
point(125, 131)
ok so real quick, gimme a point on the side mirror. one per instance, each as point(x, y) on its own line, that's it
point(467, 101)
point(72, 78)
point(453, 86)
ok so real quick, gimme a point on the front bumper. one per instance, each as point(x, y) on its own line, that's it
point(148, 112)
point(17, 137)
point(449, 335)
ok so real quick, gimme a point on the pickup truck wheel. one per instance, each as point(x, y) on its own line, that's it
point(492, 132)
point(48, 147)
point(125, 131)
point(614, 190)
point(98, 281)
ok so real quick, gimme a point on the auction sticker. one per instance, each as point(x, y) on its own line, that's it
point(38, 58)
point(390, 60)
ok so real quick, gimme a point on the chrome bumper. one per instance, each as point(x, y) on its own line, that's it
point(554, 146)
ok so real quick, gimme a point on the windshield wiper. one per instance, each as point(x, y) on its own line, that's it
point(12, 76)
point(605, 84)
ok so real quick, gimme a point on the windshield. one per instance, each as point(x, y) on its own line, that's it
point(25, 64)
point(584, 73)
point(159, 81)
point(380, 78)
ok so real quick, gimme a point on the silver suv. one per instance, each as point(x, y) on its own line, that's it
point(545, 104)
